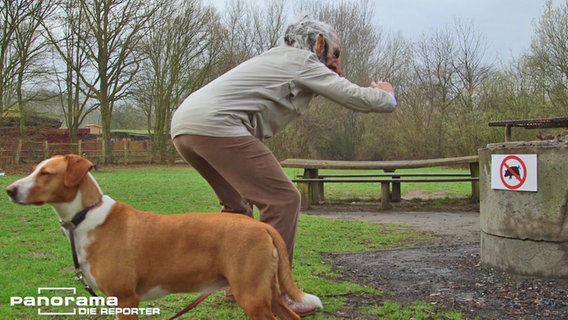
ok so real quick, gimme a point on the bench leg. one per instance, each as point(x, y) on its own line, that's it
point(303, 188)
point(395, 192)
point(385, 196)
point(321, 197)
point(312, 192)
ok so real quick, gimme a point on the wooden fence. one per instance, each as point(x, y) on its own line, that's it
point(32, 151)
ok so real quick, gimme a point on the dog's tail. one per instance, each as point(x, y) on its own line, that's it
point(285, 278)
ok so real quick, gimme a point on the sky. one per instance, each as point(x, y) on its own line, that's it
point(506, 25)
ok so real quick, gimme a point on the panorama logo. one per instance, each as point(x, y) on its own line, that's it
point(64, 302)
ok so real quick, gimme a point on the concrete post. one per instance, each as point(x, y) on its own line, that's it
point(527, 232)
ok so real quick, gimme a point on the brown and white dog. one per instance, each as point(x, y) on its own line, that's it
point(134, 255)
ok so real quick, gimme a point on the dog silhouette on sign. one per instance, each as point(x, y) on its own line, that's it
point(516, 172)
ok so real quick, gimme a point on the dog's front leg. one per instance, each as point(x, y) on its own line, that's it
point(127, 304)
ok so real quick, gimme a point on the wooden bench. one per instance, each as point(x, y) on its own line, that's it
point(311, 183)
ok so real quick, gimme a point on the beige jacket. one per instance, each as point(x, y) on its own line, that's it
point(263, 94)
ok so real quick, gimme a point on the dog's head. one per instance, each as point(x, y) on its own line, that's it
point(55, 180)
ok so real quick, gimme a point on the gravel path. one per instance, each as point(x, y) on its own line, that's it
point(447, 273)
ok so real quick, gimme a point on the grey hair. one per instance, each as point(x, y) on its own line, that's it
point(302, 34)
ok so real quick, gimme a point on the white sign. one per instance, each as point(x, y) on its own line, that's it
point(517, 172)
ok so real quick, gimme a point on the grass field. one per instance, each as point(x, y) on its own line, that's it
point(34, 253)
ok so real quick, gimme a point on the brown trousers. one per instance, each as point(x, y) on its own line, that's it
point(243, 172)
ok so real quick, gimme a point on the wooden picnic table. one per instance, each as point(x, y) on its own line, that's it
point(311, 183)
point(540, 123)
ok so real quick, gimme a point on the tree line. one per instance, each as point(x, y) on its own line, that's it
point(146, 56)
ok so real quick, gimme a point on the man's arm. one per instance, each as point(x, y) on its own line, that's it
point(379, 97)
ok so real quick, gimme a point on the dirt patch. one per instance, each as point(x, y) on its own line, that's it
point(447, 273)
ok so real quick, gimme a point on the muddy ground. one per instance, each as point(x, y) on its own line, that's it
point(447, 272)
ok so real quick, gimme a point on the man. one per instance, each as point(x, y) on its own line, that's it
point(219, 128)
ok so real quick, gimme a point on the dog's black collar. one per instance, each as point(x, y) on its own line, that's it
point(70, 226)
point(79, 217)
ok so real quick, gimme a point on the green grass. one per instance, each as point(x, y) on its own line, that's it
point(34, 252)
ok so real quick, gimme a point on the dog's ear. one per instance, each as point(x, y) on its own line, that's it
point(77, 168)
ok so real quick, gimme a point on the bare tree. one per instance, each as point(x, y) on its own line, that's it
point(251, 28)
point(8, 56)
point(269, 23)
point(550, 55)
point(511, 92)
point(179, 50)
point(443, 93)
point(434, 72)
point(472, 69)
point(469, 63)
point(239, 37)
point(107, 36)
point(71, 64)
point(21, 48)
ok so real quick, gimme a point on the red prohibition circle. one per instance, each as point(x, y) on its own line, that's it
point(521, 177)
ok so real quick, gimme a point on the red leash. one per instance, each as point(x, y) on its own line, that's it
point(191, 306)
